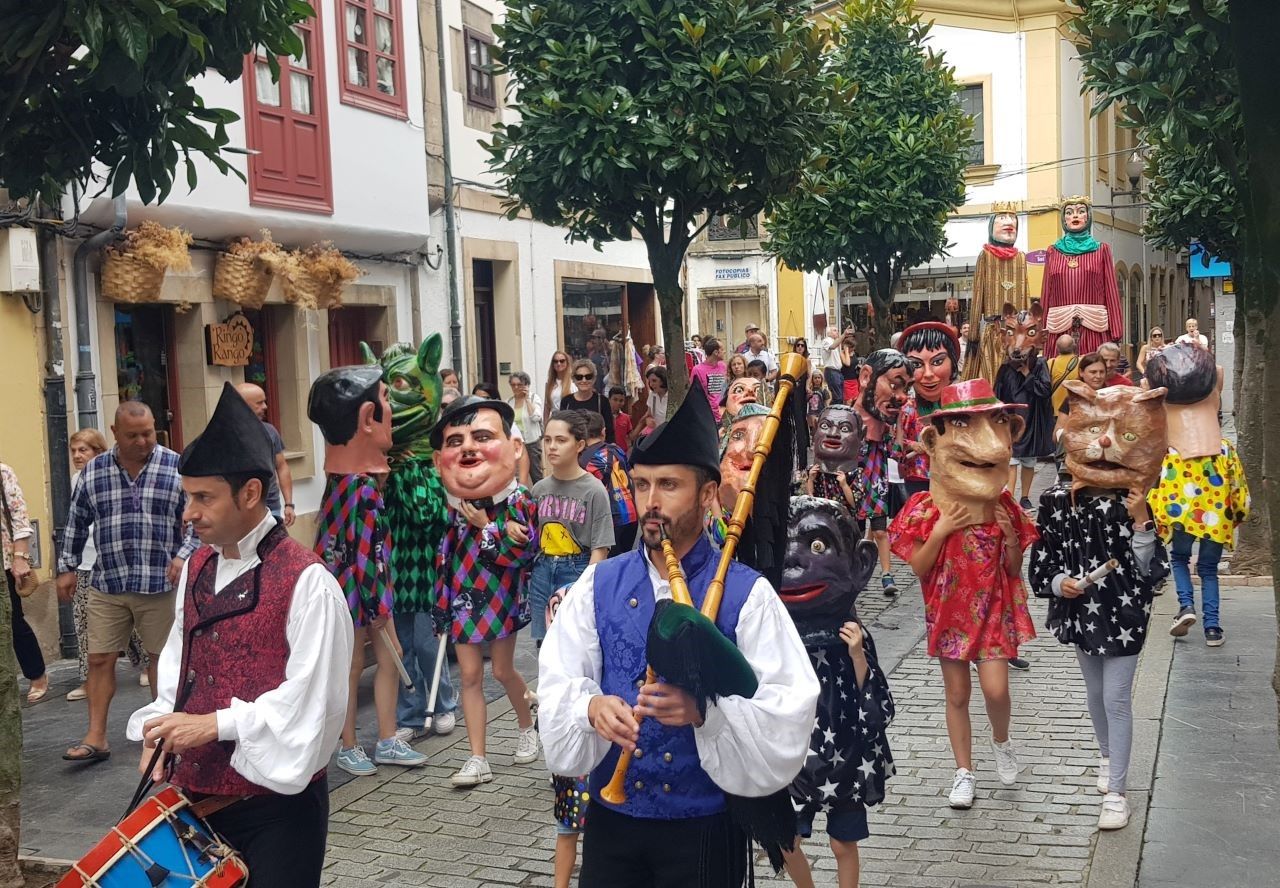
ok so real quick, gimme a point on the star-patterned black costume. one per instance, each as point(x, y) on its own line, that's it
point(1110, 618)
point(849, 759)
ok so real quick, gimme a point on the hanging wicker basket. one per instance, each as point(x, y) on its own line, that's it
point(303, 291)
point(244, 280)
point(127, 279)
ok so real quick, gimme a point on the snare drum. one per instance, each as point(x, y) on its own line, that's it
point(161, 844)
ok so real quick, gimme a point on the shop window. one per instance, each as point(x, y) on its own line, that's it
point(371, 55)
point(145, 369)
point(287, 126)
point(486, 323)
point(481, 88)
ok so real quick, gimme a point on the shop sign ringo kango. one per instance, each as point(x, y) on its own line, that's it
point(229, 344)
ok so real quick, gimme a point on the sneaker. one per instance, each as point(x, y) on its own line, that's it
point(356, 762)
point(1115, 812)
point(1213, 637)
point(1019, 664)
point(473, 772)
point(1007, 766)
point(962, 789)
point(397, 752)
point(527, 747)
point(408, 735)
point(890, 587)
point(443, 724)
point(1026, 504)
point(1183, 622)
point(144, 680)
point(1104, 774)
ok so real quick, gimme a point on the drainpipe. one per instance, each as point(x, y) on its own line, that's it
point(450, 216)
point(55, 413)
point(86, 392)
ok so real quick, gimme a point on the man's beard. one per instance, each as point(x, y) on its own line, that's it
point(678, 529)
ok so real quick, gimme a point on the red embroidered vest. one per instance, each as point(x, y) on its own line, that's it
point(234, 645)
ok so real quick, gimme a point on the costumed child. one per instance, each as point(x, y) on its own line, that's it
point(575, 524)
point(849, 759)
point(884, 383)
point(351, 407)
point(964, 539)
point(492, 520)
point(1099, 562)
point(416, 513)
point(837, 447)
point(1203, 495)
point(1023, 378)
point(933, 357)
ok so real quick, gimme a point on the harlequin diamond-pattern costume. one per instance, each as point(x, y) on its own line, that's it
point(355, 544)
point(417, 509)
point(477, 590)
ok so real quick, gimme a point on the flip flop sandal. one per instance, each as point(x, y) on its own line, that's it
point(34, 696)
point(95, 754)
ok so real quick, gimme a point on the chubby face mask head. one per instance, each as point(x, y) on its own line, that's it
point(477, 460)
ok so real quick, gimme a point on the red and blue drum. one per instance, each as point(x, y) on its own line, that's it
point(161, 844)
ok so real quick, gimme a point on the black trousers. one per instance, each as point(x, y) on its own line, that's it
point(281, 837)
point(626, 852)
point(914, 486)
point(25, 643)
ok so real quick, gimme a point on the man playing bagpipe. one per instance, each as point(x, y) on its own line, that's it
point(712, 734)
point(252, 682)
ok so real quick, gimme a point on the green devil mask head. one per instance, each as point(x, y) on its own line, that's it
point(414, 386)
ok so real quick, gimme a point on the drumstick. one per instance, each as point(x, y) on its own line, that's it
point(404, 673)
point(435, 678)
point(1097, 573)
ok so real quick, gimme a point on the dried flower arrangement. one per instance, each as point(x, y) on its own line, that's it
point(134, 269)
point(314, 276)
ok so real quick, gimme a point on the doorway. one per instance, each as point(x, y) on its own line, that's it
point(145, 370)
point(725, 313)
point(348, 327)
point(486, 334)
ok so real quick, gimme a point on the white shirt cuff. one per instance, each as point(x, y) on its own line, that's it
point(581, 717)
point(714, 724)
point(226, 725)
point(1056, 585)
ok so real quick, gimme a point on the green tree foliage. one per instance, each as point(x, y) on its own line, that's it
point(1172, 74)
point(645, 117)
point(87, 85)
point(895, 156)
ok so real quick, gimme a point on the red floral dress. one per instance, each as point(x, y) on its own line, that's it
point(973, 609)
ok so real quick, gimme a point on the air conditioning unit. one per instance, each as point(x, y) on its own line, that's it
point(19, 261)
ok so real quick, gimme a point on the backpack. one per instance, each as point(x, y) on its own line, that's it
point(617, 481)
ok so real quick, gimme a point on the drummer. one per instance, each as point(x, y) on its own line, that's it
point(672, 829)
point(252, 682)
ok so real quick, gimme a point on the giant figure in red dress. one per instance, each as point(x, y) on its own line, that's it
point(1080, 295)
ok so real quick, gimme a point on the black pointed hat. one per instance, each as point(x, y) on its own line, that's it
point(689, 438)
point(234, 442)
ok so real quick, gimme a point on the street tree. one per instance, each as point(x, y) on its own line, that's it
point(1170, 68)
point(895, 157)
point(93, 85)
point(95, 90)
point(650, 117)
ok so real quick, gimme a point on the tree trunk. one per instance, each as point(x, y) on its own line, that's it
point(11, 759)
point(880, 283)
point(1253, 25)
point(664, 264)
point(1253, 555)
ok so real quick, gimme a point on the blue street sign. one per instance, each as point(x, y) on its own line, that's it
point(1205, 266)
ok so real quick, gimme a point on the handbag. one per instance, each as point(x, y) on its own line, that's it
point(30, 582)
point(820, 318)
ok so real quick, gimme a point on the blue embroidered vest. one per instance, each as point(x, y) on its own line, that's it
point(666, 780)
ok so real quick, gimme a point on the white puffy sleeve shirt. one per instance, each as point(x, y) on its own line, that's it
point(288, 734)
point(748, 747)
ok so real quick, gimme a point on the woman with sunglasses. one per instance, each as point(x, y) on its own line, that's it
point(585, 397)
point(559, 383)
point(1155, 342)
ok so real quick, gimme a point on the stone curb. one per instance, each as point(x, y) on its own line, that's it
point(1121, 850)
point(1241, 580)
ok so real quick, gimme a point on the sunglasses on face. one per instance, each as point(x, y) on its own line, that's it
point(584, 377)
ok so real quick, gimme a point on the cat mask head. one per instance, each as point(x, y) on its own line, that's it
point(1114, 438)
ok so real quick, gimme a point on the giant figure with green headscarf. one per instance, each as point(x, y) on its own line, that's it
point(1080, 295)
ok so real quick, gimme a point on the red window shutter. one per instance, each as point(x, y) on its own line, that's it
point(287, 124)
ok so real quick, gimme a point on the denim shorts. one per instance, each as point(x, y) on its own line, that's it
point(848, 824)
point(1027, 462)
point(551, 572)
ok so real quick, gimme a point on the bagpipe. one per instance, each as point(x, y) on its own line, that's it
point(688, 650)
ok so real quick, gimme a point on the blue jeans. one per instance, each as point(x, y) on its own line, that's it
point(1206, 569)
point(551, 572)
point(419, 643)
point(835, 383)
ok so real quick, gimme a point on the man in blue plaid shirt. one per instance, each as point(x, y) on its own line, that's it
point(131, 499)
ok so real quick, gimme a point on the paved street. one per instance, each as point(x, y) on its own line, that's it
point(1205, 761)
